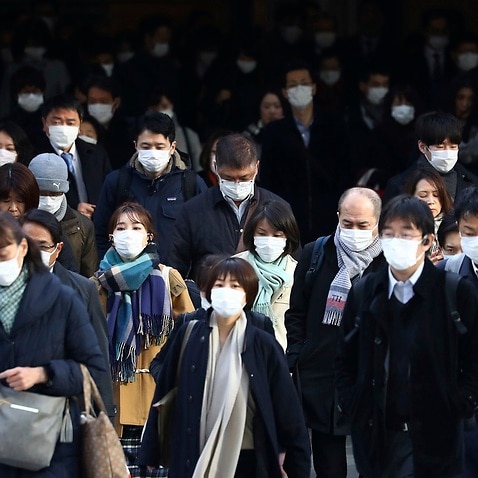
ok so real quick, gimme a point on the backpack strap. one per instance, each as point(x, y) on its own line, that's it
point(451, 286)
point(315, 262)
point(359, 294)
point(125, 178)
point(188, 184)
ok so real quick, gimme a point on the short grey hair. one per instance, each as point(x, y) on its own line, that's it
point(370, 194)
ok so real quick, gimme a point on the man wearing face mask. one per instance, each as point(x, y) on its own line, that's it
point(439, 136)
point(51, 174)
point(407, 369)
point(315, 314)
point(304, 155)
point(213, 222)
point(157, 176)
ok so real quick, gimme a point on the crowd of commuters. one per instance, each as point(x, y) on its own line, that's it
point(283, 226)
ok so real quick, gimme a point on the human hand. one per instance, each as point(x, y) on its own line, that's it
point(23, 378)
point(281, 464)
point(86, 209)
point(436, 256)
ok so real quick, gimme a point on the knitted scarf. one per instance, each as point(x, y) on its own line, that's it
point(272, 278)
point(60, 214)
point(351, 265)
point(138, 308)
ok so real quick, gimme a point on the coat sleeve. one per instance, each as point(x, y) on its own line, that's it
point(182, 243)
point(89, 254)
point(181, 302)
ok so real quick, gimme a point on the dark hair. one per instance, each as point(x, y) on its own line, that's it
point(157, 93)
point(26, 76)
point(235, 151)
point(104, 83)
point(204, 268)
point(433, 177)
point(135, 212)
point(238, 269)
point(64, 102)
point(46, 220)
point(280, 216)
point(23, 147)
point(149, 24)
point(157, 123)
point(406, 92)
point(31, 30)
point(448, 224)
point(466, 203)
point(409, 209)
point(374, 68)
point(204, 158)
point(437, 126)
point(295, 65)
point(17, 177)
point(12, 233)
point(100, 130)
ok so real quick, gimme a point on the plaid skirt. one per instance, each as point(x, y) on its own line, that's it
point(131, 442)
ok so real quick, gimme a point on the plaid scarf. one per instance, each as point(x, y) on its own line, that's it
point(138, 308)
point(10, 298)
point(351, 264)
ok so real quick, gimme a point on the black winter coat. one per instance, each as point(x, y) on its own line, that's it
point(278, 422)
point(443, 376)
point(52, 329)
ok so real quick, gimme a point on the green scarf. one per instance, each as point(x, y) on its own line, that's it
point(10, 297)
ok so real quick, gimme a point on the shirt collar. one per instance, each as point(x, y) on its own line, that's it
point(412, 279)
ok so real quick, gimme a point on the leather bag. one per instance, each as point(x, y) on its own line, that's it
point(30, 427)
point(102, 453)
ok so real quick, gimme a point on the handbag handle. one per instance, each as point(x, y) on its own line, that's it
point(90, 390)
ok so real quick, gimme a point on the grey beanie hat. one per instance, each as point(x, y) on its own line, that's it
point(51, 173)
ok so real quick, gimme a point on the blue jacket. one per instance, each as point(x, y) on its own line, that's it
point(279, 424)
point(52, 329)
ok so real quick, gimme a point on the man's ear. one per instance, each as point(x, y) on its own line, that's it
point(116, 103)
point(45, 127)
point(422, 147)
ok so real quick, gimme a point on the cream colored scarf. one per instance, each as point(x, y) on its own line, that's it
point(224, 405)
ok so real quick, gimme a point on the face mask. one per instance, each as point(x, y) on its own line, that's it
point(63, 136)
point(205, 304)
point(46, 256)
point(35, 52)
point(154, 160)
point(300, 96)
point(160, 49)
point(376, 94)
point(9, 271)
point(291, 34)
point(168, 112)
point(443, 161)
point(30, 102)
point(50, 204)
point(400, 253)
point(325, 39)
point(357, 239)
point(129, 243)
point(102, 113)
point(7, 157)
point(438, 42)
point(227, 302)
point(246, 66)
point(124, 56)
point(236, 191)
point(469, 245)
point(207, 57)
point(88, 139)
point(108, 67)
point(330, 77)
point(467, 61)
point(403, 114)
point(268, 248)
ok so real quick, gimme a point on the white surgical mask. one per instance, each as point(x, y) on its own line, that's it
point(227, 302)
point(467, 61)
point(444, 160)
point(325, 39)
point(30, 102)
point(154, 160)
point(168, 112)
point(246, 66)
point(108, 68)
point(46, 256)
point(50, 204)
point(63, 136)
point(205, 304)
point(400, 253)
point(7, 157)
point(469, 246)
point(330, 77)
point(101, 112)
point(403, 114)
point(35, 52)
point(160, 49)
point(300, 96)
point(438, 42)
point(88, 139)
point(129, 243)
point(269, 248)
point(124, 56)
point(237, 191)
point(207, 57)
point(9, 271)
point(376, 94)
point(357, 239)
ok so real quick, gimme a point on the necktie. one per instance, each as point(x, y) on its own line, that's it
point(68, 158)
point(399, 291)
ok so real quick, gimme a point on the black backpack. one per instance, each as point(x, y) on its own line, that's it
point(315, 262)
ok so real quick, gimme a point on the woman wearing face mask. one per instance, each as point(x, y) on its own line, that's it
point(208, 157)
point(428, 186)
point(141, 298)
point(258, 421)
point(45, 334)
point(14, 144)
point(270, 236)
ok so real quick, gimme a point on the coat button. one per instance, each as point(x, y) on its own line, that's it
point(193, 368)
point(202, 339)
point(190, 398)
point(378, 340)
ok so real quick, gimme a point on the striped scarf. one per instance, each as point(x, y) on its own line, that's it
point(138, 308)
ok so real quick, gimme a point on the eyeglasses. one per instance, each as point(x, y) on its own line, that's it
point(46, 247)
point(407, 237)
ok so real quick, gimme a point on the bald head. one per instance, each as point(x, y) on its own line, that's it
point(364, 198)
